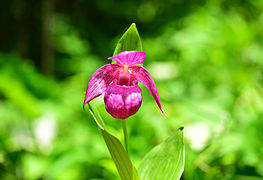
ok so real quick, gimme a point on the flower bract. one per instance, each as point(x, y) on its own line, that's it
point(119, 84)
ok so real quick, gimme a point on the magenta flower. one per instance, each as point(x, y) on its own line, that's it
point(119, 83)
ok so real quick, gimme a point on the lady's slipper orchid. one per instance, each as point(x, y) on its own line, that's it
point(119, 83)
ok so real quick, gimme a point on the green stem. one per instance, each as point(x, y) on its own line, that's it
point(124, 128)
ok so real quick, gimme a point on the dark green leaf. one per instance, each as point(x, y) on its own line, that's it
point(129, 41)
point(165, 161)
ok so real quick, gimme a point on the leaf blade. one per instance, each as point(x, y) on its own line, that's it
point(166, 160)
point(96, 116)
point(130, 41)
point(119, 156)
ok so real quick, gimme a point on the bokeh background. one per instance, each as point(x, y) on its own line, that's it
point(206, 57)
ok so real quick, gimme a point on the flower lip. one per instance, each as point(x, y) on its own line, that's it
point(122, 101)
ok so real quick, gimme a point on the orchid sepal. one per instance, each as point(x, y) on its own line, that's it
point(129, 58)
point(144, 77)
point(100, 80)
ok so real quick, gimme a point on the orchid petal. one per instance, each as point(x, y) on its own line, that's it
point(129, 57)
point(144, 77)
point(122, 101)
point(100, 80)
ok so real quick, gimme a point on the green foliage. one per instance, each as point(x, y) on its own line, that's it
point(165, 161)
point(130, 41)
point(172, 150)
point(120, 157)
point(206, 60)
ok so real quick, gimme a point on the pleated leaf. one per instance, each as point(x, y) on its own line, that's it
point(130, 41)
point(165, 161)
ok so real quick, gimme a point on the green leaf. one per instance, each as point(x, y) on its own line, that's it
point(135, 174)
point(165, 161)
point(120, 157)
point(96, 115)
point(130, 41)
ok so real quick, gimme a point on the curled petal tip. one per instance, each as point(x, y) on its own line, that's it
point(161, 108)
point(165, 114)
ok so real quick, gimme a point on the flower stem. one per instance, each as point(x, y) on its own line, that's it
point(124, 128)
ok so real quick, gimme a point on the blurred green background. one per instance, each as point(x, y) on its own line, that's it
point(206, 57)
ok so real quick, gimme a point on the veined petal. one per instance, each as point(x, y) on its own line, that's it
point(129, 57)
point(100, 80)
point(144, 77)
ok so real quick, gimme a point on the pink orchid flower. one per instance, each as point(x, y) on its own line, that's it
point(119, 83)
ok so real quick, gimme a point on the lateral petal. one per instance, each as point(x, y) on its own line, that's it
point(129, 57)
point(144, 77)
point(100, 80)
